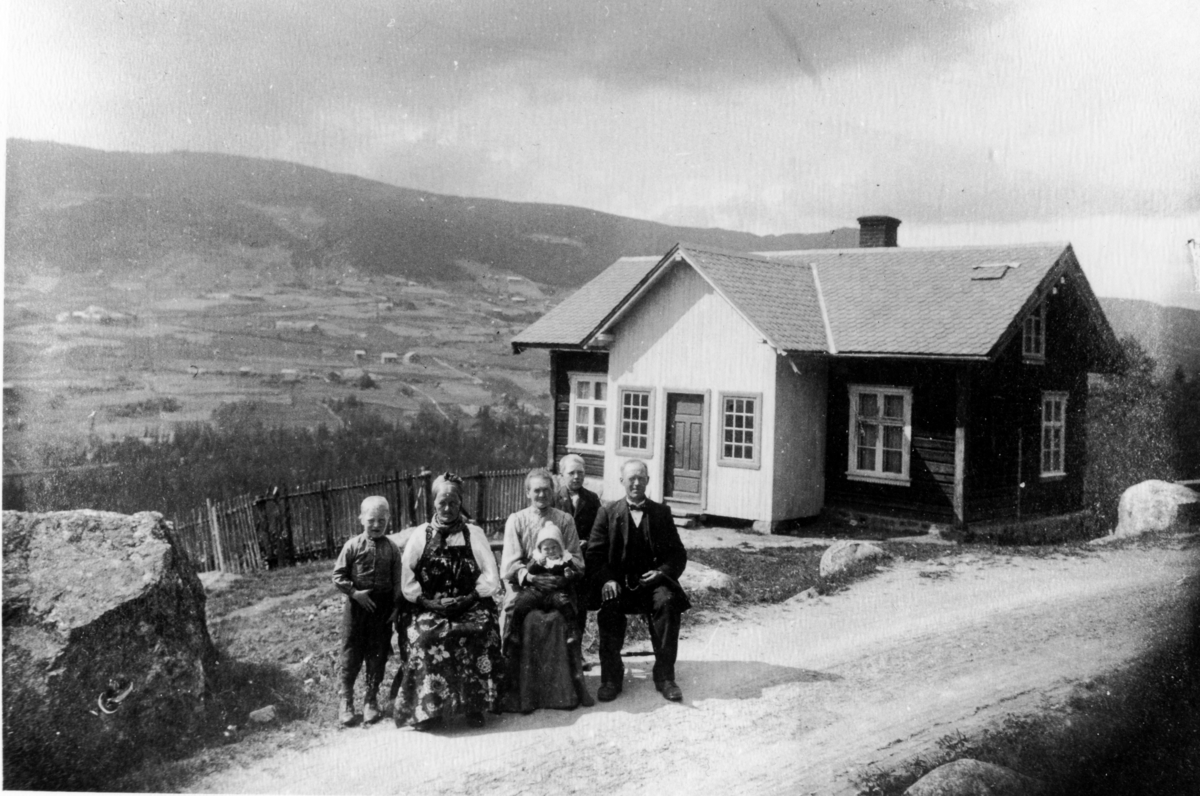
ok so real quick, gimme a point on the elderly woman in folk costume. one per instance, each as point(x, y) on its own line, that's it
point(449, 573)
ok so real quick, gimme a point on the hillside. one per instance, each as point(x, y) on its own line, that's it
point(83, 210)
point(1170, 334)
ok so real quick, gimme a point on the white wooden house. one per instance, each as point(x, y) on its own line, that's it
point(910, 383)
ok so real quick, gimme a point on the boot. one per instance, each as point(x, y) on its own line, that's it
point(371, 713)
point(576, 653)
point(394, 688)
point(509, 686)
point(346, 705)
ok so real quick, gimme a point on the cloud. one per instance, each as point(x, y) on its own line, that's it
point(768, 116)
point(264, 63)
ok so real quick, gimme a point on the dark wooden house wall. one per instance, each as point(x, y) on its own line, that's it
point(1006, 405)
point(1004, 416)
point(931, 465)
point(562, 364)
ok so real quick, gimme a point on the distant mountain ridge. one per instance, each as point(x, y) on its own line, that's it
point(81, 209)
point(1170, 334)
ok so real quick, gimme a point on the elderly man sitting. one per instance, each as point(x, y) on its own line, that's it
point(636, 558)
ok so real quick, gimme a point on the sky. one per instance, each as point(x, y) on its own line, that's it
point(973, 121)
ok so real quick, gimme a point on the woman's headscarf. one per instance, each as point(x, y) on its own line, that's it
point(450, 527)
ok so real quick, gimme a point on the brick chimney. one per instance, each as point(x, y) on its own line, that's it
point(875, 231)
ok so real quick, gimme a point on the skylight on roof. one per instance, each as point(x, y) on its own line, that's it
point(986, 271)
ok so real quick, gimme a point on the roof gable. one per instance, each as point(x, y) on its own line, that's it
point(778, 300)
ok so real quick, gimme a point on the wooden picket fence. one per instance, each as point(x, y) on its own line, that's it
point(314, 521)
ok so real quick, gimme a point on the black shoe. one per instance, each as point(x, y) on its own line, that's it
point(607, 692)
point(428, 724)
point(669, 690)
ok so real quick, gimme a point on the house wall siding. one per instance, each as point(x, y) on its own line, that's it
point(799, 437)
point(1007, 402)
point(930, 492)
point(1004, 417)
point(684, 337)
point(562, 364)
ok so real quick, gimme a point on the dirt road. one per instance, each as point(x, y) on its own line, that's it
point(793, 698)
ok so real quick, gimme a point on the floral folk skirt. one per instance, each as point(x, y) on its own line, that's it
point(452, 666)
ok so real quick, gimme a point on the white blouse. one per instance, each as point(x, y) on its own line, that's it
point(486, 585)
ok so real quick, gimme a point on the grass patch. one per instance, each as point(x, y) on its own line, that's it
point(760, 575)
point(255, 587)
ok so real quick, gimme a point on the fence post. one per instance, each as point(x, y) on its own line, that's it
point(410, 500)
point(397, 506)
point(215, 530)
point(287, 543)
point(427, 492)
point(327, 512)
point(481, 501)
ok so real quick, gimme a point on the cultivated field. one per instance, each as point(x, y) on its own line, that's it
point(174, 347)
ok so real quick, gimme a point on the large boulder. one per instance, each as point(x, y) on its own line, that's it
point(969, 777)
point(699, 578)
point(1151, 506)
point(106, 650)
point(847, 553)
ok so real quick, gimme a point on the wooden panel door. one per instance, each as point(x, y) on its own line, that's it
point(683, 476)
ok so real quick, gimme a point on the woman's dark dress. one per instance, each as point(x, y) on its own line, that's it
point(454, 674)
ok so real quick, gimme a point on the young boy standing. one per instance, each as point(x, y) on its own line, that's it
point(368, 573)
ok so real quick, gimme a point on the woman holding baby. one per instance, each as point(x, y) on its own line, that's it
point(542, 566)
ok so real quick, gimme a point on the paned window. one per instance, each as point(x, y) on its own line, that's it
point(636, 424)
point(741, 430)
point(1033, 341)
point(880, 433)
point(1054, 432)
point(589, 408)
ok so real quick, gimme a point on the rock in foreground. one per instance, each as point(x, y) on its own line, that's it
point(847, 553)
point(106, 650)
point(1151, 506)
point(699, 578)
point(969, 777)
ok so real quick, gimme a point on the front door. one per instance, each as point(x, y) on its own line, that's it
point(683, 476)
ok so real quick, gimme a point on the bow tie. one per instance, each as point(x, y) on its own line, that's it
point(637, 506)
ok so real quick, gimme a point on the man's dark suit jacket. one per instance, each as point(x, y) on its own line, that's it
point(584, 514)
point(605, 555)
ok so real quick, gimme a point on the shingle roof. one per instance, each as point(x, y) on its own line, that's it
point(952, 302)
point(576, 316)
point(779, 298)
point(929, 301)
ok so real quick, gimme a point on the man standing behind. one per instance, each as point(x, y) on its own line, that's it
point(582, 504)
point(574, 498)
point(635, 557)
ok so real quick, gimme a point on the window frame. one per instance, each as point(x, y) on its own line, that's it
point(651, 431)
point(576, 403)
point(1033, 335)
point(877, 476)
point(1045, 425)
point(755, 462)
